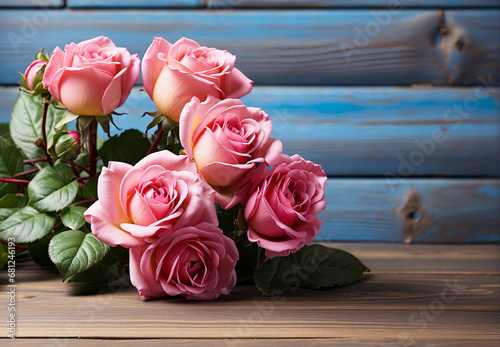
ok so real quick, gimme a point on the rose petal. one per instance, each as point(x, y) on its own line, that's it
point(80, 88)
point(106, 231)
point(236, 85)
point(152, 66)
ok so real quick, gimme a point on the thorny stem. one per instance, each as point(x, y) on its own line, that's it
point(81, 167)
point(25, 172)
point(12, 180)
point(73, 167)
point(44, 133)
point(157, 140)
point(92, 147)
point(31, 161)
point(83, 202)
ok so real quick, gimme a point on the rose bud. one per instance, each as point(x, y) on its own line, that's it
point(173, 73)
point(65, 145)
point(283, 204)
point(34, 74)
point(93, 77)
point(76, 135)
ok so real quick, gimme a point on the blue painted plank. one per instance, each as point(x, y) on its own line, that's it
point(388, 132)
point(134, 3)
point(305, 47)
point(32, 3)
point(393, 5)
point(417, 210)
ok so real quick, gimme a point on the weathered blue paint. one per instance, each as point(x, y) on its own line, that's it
point(367, 131)
point(32, 3)
point(286, 47)
point(134, 3)
point(445, 210)
point(392, 5)
point(352, 131)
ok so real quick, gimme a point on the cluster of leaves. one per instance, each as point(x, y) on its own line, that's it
point(43, 205)
point(314, 266)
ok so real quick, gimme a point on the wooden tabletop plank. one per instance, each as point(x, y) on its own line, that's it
point(287, 47)
point(383, 306)
point(425, 259)
point(386, 308)
point(403, 340)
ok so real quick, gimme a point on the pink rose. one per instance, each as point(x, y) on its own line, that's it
point(283, 205)
point(196, 262)
point(137, 204)
point(173, 73)
point(226, 139)
point(93, 77)
point(31, 71)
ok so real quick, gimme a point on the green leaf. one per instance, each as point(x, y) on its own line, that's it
point(129, 147)
point(247, 262)
point(4, 131)
point(10, 203)
point(73, 251)
point(73, 217)
point(26, 225)
point(52, 189)
point(67, 117)
point(312, 267)
point(4, 257)
point(275, 276)
point(11, 162)
point(99, 274)
point(89, 189)
point(39, 251)
point(26, 123)
point(323, 267)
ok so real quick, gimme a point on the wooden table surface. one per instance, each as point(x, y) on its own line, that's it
point(416, 295)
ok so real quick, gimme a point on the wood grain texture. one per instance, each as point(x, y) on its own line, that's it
point(367, 131)
point(310, 47)
point(31, 3)
point(384, 307)
point(417, 210)
point(134, 3)
point(313, 342)
point(352, 4)
point(438, 259)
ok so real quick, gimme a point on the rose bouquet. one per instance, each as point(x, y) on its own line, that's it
point(208, 201)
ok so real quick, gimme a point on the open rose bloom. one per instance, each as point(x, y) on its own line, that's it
point(137, 204)
point(93, 77)
point(283, 204)
point(173, 73)
point(226, 140)
point(196, 262)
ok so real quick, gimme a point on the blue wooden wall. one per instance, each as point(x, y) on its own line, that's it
point(399, 101)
